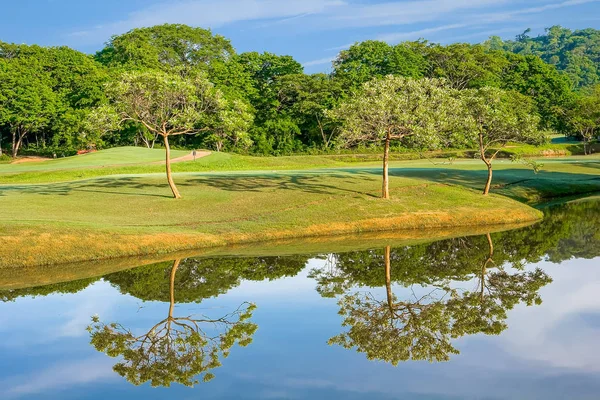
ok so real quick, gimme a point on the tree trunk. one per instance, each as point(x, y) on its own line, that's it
point(14, 144)
point(17, 139)
point(172, 287)
point(488, 184)
point(388, 279)
point(168, 165)
point(386, 155)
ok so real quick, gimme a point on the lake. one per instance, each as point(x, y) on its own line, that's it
point(506, 315)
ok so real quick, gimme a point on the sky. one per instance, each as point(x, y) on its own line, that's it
point(312, 31)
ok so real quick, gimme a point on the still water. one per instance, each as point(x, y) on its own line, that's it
point(510, 315)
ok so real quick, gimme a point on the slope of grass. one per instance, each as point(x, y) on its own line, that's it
point(84, 213)
point(104, 158)
point(130, 215)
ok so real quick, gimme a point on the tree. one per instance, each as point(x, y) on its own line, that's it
point(376, 59)
point(231, 126)
point(176, 349)
point(464, 65)
point(549, 88)
point(165, 104)
point(496, 118)
point(27, 102)
point(584, 117)
point(168, 47)
point(306, 99)
point(574, 52)
point(397, 108)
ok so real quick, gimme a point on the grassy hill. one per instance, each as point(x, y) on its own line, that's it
point(230, 199)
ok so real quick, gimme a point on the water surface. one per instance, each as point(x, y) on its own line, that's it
point(510, 315)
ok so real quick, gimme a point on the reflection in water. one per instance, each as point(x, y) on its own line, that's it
point(397, 303)
point(176, 349)
point(421, 326)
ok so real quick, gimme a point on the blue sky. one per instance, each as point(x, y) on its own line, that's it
point(313, 31)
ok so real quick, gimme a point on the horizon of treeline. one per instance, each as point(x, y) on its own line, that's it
point(46, 93)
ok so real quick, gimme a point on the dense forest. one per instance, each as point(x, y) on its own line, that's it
point(49, 96)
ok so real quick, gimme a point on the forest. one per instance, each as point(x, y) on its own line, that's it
point(54, 100)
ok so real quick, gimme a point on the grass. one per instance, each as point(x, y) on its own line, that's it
point(119, 156)
point(72, 214)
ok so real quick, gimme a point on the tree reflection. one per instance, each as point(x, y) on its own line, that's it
point(422, 326)
point(176, 349)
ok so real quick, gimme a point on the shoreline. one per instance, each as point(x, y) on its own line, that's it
point(86, 246)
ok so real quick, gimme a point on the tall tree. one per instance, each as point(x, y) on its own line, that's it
point(165, 104)
point(397, 108)
point(167, 47)
point(496, 117)
point(464, 65)
point(584, 117)
point(376, 59)
point(27, 102)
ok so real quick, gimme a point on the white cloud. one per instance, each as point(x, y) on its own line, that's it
point(208, 14)
point(60, 376)
point(401, 36)
point(320, 61)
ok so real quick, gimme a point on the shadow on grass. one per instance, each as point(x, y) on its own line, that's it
point(310, 183)
point(134, 185)
point(138, 186)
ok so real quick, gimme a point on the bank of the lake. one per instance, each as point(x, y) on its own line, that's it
point(132, 214)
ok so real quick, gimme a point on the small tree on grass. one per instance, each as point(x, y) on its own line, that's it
point(584, 117)
point(397, 108)
point(167, 105)
point(494, 118)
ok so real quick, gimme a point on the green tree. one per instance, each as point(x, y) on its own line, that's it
point(168, 47)
point(496, 117)
point(584, 117)
point(397, 108)
point(376, 59)
point(465, 66)
point(392, 330)
point(27, 102)
point(165, 104)
point(306, 99)
point(574, 52)
point(549, 88)
point(176, 349)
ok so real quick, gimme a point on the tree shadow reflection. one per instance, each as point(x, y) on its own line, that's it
point(434, 309)
point(176, 349)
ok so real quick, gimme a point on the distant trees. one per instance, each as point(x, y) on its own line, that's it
point(574, 52)
point(271, 106)
point(397, 108)
point(496, 117)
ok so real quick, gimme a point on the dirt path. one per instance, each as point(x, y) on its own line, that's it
point(28, 159)
point(189, 157)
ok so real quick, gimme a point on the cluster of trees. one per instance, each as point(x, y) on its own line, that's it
point(188, 87)
point(577, 53)
point(265, 103)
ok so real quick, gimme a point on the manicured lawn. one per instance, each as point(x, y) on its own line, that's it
point(246, 199)
point(105, 158)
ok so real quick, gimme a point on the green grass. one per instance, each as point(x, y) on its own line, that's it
point(75, 214)
point(106, 158)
